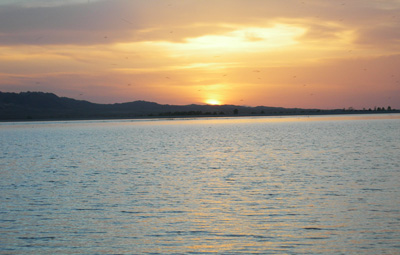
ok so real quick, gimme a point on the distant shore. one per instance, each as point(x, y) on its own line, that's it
point(41, 106)
point(201, 116)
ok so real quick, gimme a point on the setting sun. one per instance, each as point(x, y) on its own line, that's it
point(212, 102)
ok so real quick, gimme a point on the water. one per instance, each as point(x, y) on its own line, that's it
point(293, 185)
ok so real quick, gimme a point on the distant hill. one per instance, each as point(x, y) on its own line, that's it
point(40, 105)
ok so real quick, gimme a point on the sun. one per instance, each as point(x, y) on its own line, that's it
point(213, 102)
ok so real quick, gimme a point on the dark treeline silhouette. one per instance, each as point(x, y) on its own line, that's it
point(48, 106)
point(188, 113)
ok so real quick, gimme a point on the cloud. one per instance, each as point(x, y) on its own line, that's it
point(104, 22)
point(71, 24)
point(43, 3)
point(380, 35)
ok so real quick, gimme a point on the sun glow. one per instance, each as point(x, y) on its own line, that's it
point(250, 38)
point(213, 102)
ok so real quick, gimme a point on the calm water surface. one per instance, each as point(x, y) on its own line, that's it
point(292, 185)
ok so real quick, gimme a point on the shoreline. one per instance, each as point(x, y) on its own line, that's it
point(89, 118)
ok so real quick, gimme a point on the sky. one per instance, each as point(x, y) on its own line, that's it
point(285, 53)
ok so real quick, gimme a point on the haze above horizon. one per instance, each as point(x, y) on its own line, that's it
point(306, 54)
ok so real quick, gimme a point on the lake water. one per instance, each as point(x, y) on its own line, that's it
point(279, 185)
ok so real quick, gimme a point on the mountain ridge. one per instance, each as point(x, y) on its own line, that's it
point(43, 105)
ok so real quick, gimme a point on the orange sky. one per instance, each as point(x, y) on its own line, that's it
point(308, 54)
